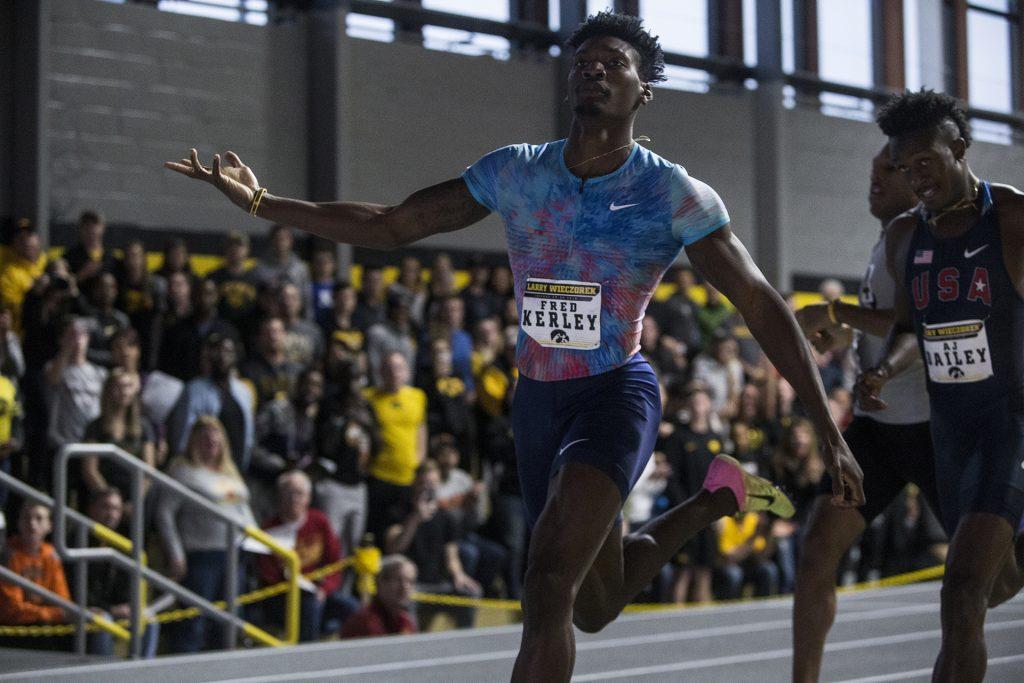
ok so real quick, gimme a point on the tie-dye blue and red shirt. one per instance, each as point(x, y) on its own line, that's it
point(587, 256)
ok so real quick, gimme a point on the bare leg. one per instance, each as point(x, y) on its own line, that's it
point(618, 575)
point(681, 584)
point(702, 585)
point(976, 555)
point(578, 517)
point(830, 533)
point(1011, 576)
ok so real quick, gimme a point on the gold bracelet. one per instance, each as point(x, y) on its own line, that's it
point(832, 312)
point(257, 197)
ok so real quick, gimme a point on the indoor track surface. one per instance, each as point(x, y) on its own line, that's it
point(880, 635)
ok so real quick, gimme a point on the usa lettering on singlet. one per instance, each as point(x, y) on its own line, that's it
point(587, 256)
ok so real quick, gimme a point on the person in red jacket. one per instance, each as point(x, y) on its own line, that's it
point(307, 529)
point(388, 612)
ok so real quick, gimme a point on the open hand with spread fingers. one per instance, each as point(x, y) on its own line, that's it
point(232, 177)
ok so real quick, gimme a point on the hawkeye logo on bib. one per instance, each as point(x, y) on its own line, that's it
point(957, 352)
point(562, 313)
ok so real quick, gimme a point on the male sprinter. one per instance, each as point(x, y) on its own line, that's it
point(893, 446)
point(961, 253)
point(593, 222)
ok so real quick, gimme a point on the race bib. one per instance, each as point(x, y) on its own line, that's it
point(957, 352)
point(562, 313)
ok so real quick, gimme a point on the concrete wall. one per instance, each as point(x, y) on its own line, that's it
point(6, 104)
point(130, 87)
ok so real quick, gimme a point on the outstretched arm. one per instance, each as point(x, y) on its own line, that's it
point(723, 260)
point(444, 207)
point(901, 342)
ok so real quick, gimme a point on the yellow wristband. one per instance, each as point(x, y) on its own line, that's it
point(257, 197)
point(832, 313)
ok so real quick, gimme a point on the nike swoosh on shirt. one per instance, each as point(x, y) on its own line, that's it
point(571, 443)
point(969, 254)
point(619, 207)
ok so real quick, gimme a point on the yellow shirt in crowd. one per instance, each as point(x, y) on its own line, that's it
point(400, 415)
point(16, 278)
point(9, 408)
point(733, 532)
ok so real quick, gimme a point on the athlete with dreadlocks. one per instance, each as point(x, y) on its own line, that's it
point(960, 256)
point(593, 222)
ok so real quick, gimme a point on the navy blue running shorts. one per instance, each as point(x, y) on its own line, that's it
point(979, 462)
point(609, 421)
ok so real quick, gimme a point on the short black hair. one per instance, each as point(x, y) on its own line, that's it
point(630, 29)
point(916, 111)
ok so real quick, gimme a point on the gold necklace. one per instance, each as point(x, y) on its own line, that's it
point(964, 203)
point(642, 138)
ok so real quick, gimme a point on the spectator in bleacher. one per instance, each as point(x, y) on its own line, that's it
point(30, 556)
point(401, 413)
point(176, 259)
point(108, 585)
point(341, 325)
point(467, 499)
point(913, 537)
point(315, 542)
point(763, 431)
point(181, 344)
point(448, 323)
point(395, 335)
point(12, 359)
point(441, 285)
point(12, 434)
point(25, 263)
point(478, 300)
point(73, 387)
point(304, 342)
point(714, 315)
point(501, 283)
point(120, 423)
point(449, 403)
point(797, 468)
point(324, 277)
point(179, 301)
point(237, 285)
point(690, 450)
point(410, 283)
point(103, 319)
point(488, 344)
point(655, 492)
point(388, 612)
point(196, 542)
point(719, 367)
point(745, 551)
point(219, 393)
point(285, 438)
point(281, 264)
point(677, 315)
point(270, 370)
point(88, 257)
point(373, 296)
point(48, 306)
point(345, 434)
point(142, 297)
point(126, 355)
point(428, 535)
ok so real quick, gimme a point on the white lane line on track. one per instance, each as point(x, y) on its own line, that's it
point(905, 675)
point(882, 641)
point(595, 645)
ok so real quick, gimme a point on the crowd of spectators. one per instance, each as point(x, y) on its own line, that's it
point(340, 416)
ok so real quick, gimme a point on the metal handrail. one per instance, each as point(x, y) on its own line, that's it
point(83, 614)
point(135, 565)
point(84, 525)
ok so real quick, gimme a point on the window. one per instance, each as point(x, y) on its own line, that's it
point(990, 83)
point(249, 11)
point(464, 42)
point(845, 55)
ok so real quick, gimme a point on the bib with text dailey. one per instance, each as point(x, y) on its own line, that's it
point(957, 352)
